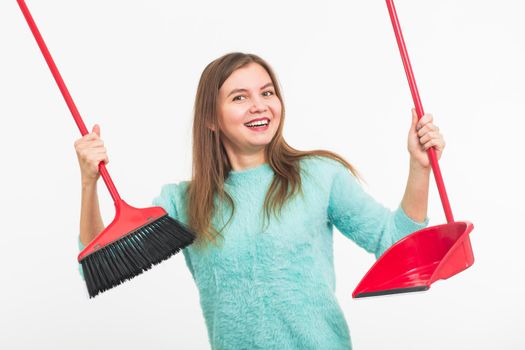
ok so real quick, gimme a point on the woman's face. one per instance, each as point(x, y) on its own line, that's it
point(247, 95)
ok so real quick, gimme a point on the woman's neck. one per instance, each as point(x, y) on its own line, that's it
point(245, 161)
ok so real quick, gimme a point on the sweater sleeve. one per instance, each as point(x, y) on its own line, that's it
point(80, 248)
point(167, 200)
point(361, 218)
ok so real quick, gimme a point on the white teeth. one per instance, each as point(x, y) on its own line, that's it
point(258, 123)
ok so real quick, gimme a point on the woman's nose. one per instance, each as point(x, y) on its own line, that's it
point(258, 105)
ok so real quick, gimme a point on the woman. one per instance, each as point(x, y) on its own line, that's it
point(264, 213)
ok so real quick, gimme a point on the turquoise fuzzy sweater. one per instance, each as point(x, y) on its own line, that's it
point(275, 288)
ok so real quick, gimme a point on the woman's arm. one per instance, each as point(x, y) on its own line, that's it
point(91, 223)
point(423, 134)
point(90, 152)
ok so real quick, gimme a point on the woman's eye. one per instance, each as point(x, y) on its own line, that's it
point(240, 97)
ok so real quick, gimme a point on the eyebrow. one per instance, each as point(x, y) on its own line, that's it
point(243, 90)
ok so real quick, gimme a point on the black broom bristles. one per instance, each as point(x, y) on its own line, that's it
point(134, 253)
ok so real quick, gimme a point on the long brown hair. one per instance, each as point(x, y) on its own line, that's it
point(210, 162)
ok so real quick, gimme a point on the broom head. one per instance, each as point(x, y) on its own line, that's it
point(135, 240)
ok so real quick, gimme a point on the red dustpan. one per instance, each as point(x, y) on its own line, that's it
point(423, 257)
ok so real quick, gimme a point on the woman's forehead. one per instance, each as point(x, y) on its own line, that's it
point(252, 76)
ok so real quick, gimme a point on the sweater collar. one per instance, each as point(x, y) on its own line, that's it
point(251, 175)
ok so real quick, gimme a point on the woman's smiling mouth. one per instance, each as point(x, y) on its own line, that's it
point(259, 124)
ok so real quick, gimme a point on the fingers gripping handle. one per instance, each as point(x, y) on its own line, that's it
point(419, 108)
point(67, 97)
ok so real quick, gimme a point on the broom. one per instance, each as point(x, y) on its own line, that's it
point(136, 239)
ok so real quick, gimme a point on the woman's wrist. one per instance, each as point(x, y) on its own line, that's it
point(418, 167)
point(88, 183)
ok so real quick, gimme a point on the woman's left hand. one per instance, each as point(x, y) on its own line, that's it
point(424, 134)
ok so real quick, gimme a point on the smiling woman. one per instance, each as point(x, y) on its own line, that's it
point(264, 214)
point(248, 116)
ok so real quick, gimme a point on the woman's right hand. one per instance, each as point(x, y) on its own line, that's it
point(90, 152)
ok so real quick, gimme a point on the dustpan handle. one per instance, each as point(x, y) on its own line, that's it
point(69, 101)
point(419, 108)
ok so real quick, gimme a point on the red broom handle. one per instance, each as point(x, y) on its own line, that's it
point(69, 101)
point(419, 109)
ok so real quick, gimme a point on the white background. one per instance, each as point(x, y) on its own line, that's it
point(133, 67)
